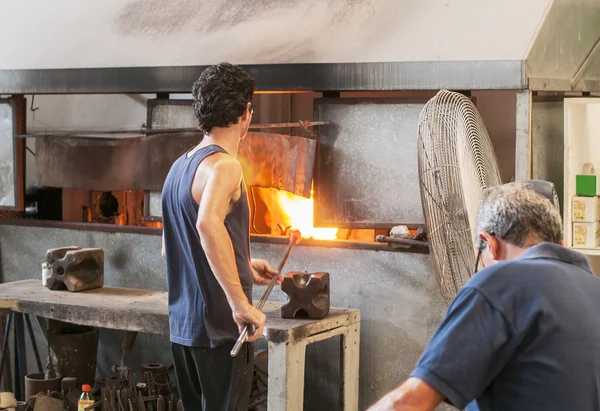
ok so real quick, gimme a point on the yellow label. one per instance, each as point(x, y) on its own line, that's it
point(84, 403)
point(578, 210)
point(580, 235)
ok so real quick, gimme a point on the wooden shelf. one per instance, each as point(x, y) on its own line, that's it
point(587, 251)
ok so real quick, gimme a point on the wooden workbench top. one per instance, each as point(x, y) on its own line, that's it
point(133, 309)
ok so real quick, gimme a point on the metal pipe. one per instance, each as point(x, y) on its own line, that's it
point(295, 238)
point(403, 241)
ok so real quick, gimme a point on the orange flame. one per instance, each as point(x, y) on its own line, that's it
point(300, 212)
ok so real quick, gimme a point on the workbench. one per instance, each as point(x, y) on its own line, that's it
point(146, 311)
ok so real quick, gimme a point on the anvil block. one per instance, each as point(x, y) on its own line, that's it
point(308, 295)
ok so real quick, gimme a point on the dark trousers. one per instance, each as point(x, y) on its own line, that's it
point(209, 379)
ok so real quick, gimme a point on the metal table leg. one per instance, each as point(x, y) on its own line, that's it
point(20, 357)
point(350, 350)
point(5, 347)
point(286, 376)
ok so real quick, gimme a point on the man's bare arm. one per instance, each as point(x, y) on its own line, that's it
point(163, 252)
point(222, 183)
point(412, 395)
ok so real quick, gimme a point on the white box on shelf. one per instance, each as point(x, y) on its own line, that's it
point(586, 209)
point(586, 235)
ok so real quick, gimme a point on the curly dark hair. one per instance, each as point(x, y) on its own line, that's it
point(221, 95)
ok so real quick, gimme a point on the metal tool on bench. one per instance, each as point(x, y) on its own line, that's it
point(308, 295)
point(75, 268)
point(295, 238)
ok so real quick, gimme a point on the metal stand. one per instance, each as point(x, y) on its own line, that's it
point(20, 351)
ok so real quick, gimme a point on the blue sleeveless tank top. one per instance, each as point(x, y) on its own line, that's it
point(199, 314)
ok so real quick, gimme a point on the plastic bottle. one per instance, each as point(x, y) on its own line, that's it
point(86, 398)
point(46, 272)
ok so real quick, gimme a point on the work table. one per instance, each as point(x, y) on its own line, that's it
point(146, 311)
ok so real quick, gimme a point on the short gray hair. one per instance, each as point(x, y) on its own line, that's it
point(520, 216)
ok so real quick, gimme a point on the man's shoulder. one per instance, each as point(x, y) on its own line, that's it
point(223, 163)
point(506, 277)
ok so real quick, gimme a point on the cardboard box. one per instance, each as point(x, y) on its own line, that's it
point(586, 209)
point(586, 235)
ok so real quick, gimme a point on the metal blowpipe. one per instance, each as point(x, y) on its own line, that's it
point(295, 238)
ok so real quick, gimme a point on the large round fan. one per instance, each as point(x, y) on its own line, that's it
point(456, 163)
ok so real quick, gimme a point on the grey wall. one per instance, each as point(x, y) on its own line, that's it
point(396, 293)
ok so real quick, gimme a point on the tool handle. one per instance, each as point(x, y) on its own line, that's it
point(240, 341)
point(294, 239)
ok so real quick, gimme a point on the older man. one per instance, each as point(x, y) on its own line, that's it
point(524, 332)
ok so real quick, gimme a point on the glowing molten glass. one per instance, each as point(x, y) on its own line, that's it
point(299, 210)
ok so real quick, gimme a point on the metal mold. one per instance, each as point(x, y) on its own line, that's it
point(308, 294)
point(36, 383)
point(76, 269)
point(74, 350)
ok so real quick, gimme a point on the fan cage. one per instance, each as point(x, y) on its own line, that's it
point(456, 164)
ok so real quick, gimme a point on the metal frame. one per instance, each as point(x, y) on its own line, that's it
point(523, 136)
point(13, 104)
point(318, 219)
point(151, 103)
point(254, 238)
point(418, 75)
point(146, 211)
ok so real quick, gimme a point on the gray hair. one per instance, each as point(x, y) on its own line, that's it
point(520, 216)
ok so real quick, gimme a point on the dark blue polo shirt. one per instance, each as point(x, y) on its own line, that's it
point(521, 335)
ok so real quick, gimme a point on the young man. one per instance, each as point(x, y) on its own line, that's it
point(523, 333)
point(206, 242)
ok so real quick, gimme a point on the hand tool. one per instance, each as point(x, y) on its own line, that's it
point(161, 404)
point(295, 238)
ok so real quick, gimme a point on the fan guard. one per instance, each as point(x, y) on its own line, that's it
point(456, 163)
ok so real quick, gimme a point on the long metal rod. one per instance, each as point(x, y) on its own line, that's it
point(393, 240)
point(142, 131)
point(294, 239)
point(36, 353)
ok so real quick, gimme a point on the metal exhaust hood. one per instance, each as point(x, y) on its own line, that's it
point(148, 46)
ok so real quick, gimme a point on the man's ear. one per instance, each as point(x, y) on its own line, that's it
point(492, 243)
point(246, 114)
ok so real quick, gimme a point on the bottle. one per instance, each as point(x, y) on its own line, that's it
point(46, 272)
point(86, 398)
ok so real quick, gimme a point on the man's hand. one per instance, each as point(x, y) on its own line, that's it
point(248, 315)
point(413, 395)
point(384, 404)
point(263, 272)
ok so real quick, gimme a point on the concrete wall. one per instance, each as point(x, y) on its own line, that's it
point(396, 293)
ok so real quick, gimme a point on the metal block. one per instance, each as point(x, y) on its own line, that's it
point(308, 295)
point(75, 269)
point(74, 350)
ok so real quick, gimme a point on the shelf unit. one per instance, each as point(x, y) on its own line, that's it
point(582, 145)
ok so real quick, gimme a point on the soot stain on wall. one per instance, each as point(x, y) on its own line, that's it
point(351, 23)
